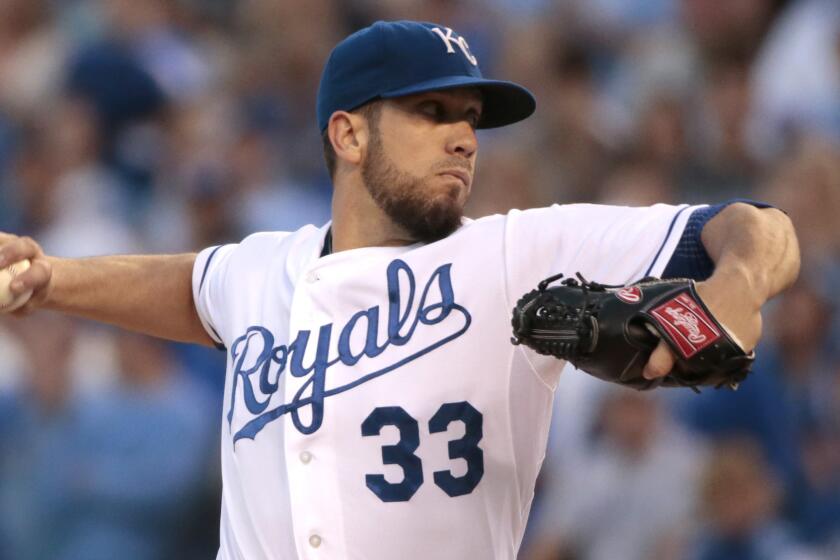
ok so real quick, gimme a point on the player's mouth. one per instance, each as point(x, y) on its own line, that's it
point(460, 174)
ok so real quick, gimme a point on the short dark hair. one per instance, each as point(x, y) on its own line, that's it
point(369, 111)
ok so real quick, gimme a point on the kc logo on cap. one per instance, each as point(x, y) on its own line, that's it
point(450, 37)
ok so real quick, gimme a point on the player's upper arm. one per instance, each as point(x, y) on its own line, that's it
point(231, 281)
point(210, 274)
point(607, 244)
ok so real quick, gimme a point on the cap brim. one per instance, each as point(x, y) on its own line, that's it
point(504, 102)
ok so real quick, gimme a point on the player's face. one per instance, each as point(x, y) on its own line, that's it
point(421, 158)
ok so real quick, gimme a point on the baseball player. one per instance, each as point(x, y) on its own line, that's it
point(374, 406)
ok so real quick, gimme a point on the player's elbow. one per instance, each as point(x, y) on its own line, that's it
point(792, 257)
point(779, 234)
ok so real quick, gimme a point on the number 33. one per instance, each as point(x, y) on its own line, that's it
point(402, 453)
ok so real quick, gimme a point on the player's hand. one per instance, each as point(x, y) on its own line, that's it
point(730, 299)
point(38, 277)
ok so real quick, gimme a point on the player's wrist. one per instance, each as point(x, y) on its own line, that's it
point(46, 297)
point(733, 274)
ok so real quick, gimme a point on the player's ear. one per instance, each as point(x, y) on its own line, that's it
point(348, 134)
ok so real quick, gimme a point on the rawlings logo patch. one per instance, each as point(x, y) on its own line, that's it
point(687, 324)
point(631, 294)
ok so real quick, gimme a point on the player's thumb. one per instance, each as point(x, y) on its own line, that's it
point(660, 363)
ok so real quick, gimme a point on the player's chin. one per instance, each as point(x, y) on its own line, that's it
point(447, 205)
point(431, 218)
point(445, 199)
point(441, 217)
point(454, 187)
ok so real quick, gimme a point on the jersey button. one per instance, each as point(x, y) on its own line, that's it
point(312, 277)
point(314, 541)
point(305, 457)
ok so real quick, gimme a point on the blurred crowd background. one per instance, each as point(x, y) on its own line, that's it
point(172, 125)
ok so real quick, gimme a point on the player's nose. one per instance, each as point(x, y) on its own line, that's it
point(462, 140)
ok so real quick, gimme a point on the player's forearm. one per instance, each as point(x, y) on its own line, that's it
point(148, 294)
point(756, 246)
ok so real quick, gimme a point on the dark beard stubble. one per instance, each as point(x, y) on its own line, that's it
point(401, 196)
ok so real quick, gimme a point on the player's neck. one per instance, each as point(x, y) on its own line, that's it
point(359, 222)
point(354, 232)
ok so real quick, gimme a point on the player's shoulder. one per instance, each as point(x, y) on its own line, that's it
point(270, 242)
point(572, 221)
point(496, 220)
point(586, 212)
point(501, 220)
point(265, 250)
point(267, 238)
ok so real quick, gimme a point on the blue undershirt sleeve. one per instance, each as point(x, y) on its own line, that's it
point(690, 259)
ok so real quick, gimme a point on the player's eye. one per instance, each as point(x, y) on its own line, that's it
point(432, 109)
point(438, 112)
point(473, 118)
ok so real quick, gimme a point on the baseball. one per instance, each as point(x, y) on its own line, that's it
point(8, 301)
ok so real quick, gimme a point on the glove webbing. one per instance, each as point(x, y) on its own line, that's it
point(574, 330)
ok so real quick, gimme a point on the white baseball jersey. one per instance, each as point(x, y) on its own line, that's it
point(374, 406)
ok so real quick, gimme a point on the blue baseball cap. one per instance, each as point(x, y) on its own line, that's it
point(397, 58)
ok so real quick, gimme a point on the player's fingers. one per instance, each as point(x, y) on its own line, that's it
point(14, 249)
point(660, 363)
point(7, 237)
point(34, 278)
point(25, 309)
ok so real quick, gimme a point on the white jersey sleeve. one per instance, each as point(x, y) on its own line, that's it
point(228, 276)
point(208, 282)
point(606, 244)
